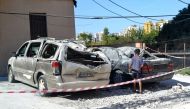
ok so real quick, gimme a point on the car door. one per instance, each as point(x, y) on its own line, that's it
point(31, 60)
point(19, 63)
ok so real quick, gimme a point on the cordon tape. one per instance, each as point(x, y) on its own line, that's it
point(165, 54)
point(91, 88)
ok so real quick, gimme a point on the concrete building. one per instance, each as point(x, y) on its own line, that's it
point(99, 36)
point(160, 24)
point(127, 31)
point(148, 26)
point(22, 20)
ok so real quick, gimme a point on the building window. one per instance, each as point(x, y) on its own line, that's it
point(38, 25)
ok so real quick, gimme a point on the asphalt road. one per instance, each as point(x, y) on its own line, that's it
point(165, 94)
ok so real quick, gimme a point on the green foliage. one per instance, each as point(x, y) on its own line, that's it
point(185, 71)
point(134, 35)
point(178, 28)
point(87, 37)
point(106, 35)
point(150, 38)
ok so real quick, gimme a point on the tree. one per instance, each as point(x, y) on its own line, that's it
point(177, 28)
point(106, 35)
point(87, 37)
point(150, 38)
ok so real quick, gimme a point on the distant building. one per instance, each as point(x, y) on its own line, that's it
point(148, 26)
point(127, 31)
point(99, 36)
point(160, 24)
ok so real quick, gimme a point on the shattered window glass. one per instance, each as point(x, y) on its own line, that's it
point(49, 51)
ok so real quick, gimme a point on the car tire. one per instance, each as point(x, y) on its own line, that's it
point(42, 86)
point(11, 77)
point(117, 76)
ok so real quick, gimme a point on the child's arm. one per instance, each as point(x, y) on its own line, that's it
point(129, 68)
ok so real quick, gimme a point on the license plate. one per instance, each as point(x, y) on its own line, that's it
point(85, 74)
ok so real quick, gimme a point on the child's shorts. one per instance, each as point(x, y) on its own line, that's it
point(136, 74)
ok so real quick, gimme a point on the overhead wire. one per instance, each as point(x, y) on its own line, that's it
point(16, 13)
point(183, 2)
point(131, 11)
point(115, 12)
point(91, 17)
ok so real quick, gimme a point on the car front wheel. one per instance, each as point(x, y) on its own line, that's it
point(11, 77)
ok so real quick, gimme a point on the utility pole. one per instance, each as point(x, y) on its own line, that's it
point(184, 61)
point(165, 47)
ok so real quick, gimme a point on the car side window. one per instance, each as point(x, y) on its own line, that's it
point(33, 49)
point(22, 50)
point(49, 51)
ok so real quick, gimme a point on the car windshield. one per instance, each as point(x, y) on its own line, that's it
point(122, 54)
point(129, 52)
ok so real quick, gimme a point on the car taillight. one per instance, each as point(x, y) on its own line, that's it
point(55, 64)
point(170, 67)
point(147, 68)
point(57, 67)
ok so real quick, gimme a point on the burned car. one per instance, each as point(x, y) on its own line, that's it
point(153, 65)
point(58, 64)
point(120, 59)
point(119, 63)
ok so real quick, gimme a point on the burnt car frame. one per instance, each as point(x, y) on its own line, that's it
point(120, 59)
point(58, 64)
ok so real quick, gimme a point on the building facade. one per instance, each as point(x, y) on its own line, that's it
point(148, 26)
point(22, 20)
point(99, 36)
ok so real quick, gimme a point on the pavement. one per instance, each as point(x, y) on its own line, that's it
point(160, 95)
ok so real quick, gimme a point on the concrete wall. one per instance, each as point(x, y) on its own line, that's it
point(15, 29)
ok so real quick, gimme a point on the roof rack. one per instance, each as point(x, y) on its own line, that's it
point(46, 38)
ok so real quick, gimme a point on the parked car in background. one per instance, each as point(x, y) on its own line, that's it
point(120, 59)
point(119, 63)
point(152, 64)
point(58, 64)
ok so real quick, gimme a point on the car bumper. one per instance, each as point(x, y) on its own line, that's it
point(160, 78)
point(56, 83)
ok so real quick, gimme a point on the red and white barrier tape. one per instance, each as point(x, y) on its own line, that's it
point(91, 88)
point(165, 54)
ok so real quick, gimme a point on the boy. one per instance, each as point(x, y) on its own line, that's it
point(135, 68)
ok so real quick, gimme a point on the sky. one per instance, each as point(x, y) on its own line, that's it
point(142, 7)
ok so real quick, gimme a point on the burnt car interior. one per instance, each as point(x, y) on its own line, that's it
point(85, 58)
point(147, 56)
point(144, 55)
point(49, 51)
point(33, 49)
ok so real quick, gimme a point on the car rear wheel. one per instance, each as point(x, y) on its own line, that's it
point(11, 77)
point(42, 86)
